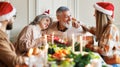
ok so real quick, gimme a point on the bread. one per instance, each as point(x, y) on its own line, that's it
point(30, 52)
point(35, 51)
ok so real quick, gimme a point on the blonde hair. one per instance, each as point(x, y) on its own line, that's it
point(102, 20)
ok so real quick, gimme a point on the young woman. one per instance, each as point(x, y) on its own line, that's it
point(106, 33)
point(31, 35)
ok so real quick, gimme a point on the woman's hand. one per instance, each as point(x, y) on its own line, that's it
point(93, 48)
point(76, 24)
point(92, 30)
point(23, 65)
point(90, 46)
point(115, 59)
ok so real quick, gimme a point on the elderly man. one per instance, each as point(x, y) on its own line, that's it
point(8, 56)
point(66, 25)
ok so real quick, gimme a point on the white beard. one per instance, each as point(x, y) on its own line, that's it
point(68, 25)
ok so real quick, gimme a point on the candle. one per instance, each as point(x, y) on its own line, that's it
point(46, 51)
point(45, 38)
point(84, 40)
point(73, 42)
point(53, 38)
point(81, 44)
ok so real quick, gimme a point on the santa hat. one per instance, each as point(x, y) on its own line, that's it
point(6, 11)
point(105, 7)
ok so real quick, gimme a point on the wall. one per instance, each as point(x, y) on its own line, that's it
point(52, 5)
point(86, 14)
point(81, 9)
point(22, 17)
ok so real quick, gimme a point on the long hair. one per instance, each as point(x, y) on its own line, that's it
point(102, 20)
point(39, 18)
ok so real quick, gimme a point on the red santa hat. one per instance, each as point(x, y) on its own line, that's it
point(105, 7)
point(6, 11)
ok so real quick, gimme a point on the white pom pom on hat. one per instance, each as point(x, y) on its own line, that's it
point(6, 11)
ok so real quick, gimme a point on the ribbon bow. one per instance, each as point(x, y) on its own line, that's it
point(47, 12)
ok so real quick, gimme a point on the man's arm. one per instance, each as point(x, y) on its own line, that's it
point(8, 56)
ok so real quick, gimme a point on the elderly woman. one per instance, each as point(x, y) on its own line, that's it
point(106, 33)
point(31, 35)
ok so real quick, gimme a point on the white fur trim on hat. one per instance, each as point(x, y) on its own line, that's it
point(8, 16)
point(99, 8)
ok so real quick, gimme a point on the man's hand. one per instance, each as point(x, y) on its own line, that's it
point(49, 38)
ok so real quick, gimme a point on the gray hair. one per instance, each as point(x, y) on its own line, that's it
point(39, 18)
point(61, 9)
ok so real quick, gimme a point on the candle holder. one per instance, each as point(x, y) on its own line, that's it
point(77, 46)
point(73, 43)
